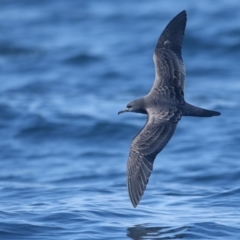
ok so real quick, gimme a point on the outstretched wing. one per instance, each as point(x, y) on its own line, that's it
point(144, 148)
point(169, 66)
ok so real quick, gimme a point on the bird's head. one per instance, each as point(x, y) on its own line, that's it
point(136, 106)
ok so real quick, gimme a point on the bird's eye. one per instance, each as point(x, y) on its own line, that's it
point(129, 106)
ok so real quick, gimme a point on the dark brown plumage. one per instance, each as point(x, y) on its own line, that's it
point(164, 105)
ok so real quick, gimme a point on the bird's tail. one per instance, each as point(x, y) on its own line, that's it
point(190, 110)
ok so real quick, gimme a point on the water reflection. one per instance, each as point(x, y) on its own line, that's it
point(144, 231)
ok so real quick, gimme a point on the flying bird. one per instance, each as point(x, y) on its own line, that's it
point(164, 106)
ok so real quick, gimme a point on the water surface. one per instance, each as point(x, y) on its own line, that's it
point(67, 68)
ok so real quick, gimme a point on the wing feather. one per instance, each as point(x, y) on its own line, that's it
point(144, 148)
point(169, 66)
point(161, 124)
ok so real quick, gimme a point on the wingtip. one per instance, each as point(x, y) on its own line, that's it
point(134, 205)
point(172, 35)
point(132, 195)
point(183, 12)
point(182, 16)
point(133, 199)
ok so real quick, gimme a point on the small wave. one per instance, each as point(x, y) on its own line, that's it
point(8, 114)
point(211, 230)
point(21, 230)
point(84, 59)
point(11, 50)
point(34, 88)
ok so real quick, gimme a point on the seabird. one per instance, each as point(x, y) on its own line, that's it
point(164, 106)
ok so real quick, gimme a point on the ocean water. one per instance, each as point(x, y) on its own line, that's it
point(67, 68)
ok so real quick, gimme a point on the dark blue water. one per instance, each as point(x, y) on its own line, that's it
point(67, 68)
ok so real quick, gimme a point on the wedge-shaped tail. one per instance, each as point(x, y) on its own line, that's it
point(190, 110)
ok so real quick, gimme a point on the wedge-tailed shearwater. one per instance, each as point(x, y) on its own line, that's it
point(164, 106)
